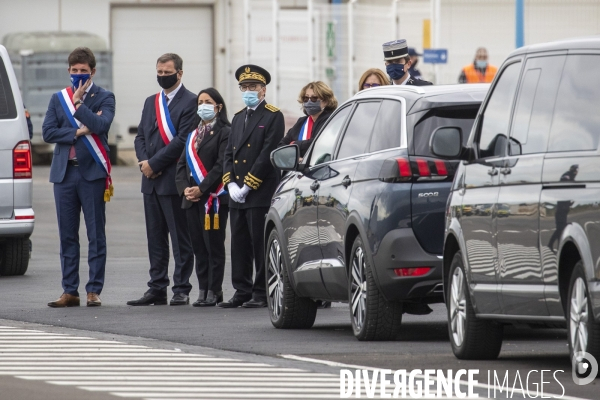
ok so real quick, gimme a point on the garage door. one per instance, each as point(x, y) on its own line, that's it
point(139, 35)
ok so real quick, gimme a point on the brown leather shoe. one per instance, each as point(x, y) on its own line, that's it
point(65, 300)
point(93, 300)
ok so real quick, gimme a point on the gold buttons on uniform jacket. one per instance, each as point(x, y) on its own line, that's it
point(248, 144)
point(237, 177)
point(235, 161)
point(234, 147)
point(244, 161)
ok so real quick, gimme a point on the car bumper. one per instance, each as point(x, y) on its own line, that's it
point(400, 249)
point(21, 224)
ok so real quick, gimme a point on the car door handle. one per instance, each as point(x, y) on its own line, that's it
point(315, 186)
point(346, 181)
point(492, 171)
point(505, 171)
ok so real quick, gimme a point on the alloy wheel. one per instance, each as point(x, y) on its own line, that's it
point(458, 304)
point(579, 317)
point(359, 288)
point(275, 279)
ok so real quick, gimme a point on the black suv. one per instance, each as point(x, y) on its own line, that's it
point(361, 218)
point(532, 164)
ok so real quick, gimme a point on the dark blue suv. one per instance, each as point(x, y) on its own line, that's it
point(361, 218)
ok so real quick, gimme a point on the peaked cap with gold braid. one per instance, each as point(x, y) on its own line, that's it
point(250, 73)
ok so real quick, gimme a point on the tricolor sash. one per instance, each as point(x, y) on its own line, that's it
point(163, 118)
point(306, 131)
point(92, 141)
point(199, 173)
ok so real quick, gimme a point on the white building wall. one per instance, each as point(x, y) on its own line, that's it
point(241, 36)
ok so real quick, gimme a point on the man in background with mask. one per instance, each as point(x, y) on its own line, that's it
point(398, 62)
point(168, 118)
point(77, 121)
point(480, 71)
point(414, 60)
point(251, 181)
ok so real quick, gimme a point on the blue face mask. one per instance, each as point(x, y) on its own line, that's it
point(76, 78)
point(481, 64)
point(395, 71)
point(206, 112)
point(250, 98)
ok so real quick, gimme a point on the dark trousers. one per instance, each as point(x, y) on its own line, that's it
point(247, 248)
point(71, 196)
point(164, 218)
point(209, 245)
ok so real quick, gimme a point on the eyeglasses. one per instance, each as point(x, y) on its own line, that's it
point(252, 87)
point(314, 99)
point(370, 85)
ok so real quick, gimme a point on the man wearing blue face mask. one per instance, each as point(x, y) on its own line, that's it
point(397, 63)
point(251, 180)
point(480, 71)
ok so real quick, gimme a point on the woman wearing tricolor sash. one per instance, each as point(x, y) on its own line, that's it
point(318, 102)
point(199, 181)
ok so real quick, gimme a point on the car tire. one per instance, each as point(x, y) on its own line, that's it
point(471, 338)
point(15, 257)
point(581, 324)
point(286, 309)
point(373, 316)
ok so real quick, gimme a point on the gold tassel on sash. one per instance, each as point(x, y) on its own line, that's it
point(216, 221)
point(106, 196)
point(207, 222)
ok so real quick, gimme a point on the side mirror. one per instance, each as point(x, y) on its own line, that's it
point(446, 142)
point(285, 158)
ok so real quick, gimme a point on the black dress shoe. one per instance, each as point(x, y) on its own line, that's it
point(255, 304)
point(201, 298)
point(234, 302)
point(180, 299)
point(148, 299)
point(212, 299)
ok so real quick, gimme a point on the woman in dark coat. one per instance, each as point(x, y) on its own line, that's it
point(318, 102)
point(198, 179)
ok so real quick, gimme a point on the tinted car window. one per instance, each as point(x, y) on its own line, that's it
point(359, 130)
point(461, 117)
point(7, 103)
point(387, 130)
point(576, 122)
point(325, 142)
point(496, 117)
point(535, 104)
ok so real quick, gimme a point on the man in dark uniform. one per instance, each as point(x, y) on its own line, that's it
point(251, 181)
point(397, 63)
point(168, 118)
point(414, 60)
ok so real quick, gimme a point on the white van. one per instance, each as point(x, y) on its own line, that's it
point(16, 212)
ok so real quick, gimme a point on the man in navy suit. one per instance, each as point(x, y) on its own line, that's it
point(167, 119)
point(77, 121)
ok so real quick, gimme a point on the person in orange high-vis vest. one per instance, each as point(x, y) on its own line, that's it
point(480, 71)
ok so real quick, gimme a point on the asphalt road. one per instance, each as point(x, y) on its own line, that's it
point(423, 342)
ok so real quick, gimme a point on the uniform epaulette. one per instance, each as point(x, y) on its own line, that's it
point(240, 111)
point(271, 108)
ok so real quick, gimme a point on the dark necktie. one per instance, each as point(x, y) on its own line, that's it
point(249, 113)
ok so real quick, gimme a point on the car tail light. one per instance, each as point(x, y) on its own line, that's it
point(423, 167)
point(417, 271)
point(440, 166)
point(22, 160)
point(404, 167)
point(24, 217)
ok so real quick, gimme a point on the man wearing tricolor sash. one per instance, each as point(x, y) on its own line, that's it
point(168, 118)
point(77, 122)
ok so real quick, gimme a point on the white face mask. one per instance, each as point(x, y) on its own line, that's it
point(206, 112)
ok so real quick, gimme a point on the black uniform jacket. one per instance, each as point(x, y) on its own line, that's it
point(248, 154)
point(150, 146)
point(292, 134)
point(212, 154)
point(417, 82)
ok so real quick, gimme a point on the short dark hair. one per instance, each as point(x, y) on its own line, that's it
point(171, 57)
point(82, 55)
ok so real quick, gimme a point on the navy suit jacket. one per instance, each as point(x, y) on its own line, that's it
point(57, 129)
point(150, 146)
